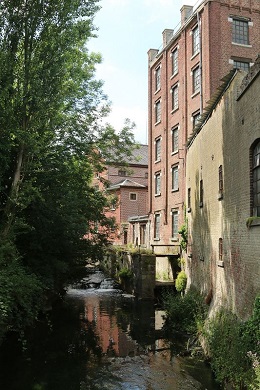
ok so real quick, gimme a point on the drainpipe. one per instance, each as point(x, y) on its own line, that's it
point(200, 48)
point(185, 124)
point(150, 139)
point(166, 140)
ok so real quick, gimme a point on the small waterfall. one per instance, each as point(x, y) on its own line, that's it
point(96, 280)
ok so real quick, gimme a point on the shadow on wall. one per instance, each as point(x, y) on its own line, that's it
point(201, 265)
point(240, 248)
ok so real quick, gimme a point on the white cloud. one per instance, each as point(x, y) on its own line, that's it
point(136, 114)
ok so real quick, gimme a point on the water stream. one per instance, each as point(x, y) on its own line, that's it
point(98, 339)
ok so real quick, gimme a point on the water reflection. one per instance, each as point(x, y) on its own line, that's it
point(99, 339)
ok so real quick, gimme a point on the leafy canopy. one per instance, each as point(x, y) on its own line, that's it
point(52, 112)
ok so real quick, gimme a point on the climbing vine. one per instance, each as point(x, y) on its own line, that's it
point(183, 231)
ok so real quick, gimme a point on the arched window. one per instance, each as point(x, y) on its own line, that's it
point(256, 179)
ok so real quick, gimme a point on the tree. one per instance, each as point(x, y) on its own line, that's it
point(51, 124)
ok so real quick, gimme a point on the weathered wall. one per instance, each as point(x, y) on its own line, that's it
point(215, 59)
point(142, 266)
point(225, 140)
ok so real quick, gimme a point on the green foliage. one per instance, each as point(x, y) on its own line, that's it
point(234, 348)
point(250, 220)
point(184, 313)
point(21, 292)
point(125, 273)
point(183, 231)
point(131, 248)
point(52, 140)
point(181, 281)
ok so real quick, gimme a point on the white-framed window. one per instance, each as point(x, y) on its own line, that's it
point(196, 79)
point(195, 40)
point(158, 111)
point(158, 78)
point(243, 65)
point(158, 142)
point(175, 223)
point(195, 118)
point(175, 178)
point(175, 65)
point(240, 33)
point(133, 196)
point(157, 221)
point(157, 182)
point(175, 97)
point(175, 139)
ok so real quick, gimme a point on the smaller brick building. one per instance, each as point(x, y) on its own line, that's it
point(128, 185)
point(223, 195)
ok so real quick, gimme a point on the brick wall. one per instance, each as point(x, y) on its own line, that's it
point(225, 140)
point(214, 58)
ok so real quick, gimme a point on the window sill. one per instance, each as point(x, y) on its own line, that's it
point(201, 204)
point(157, 90)
point(175, 152)
point(173, 75)
point(156, 239)
point(195, 94)
point(175, 190)
point(241, 44)
point(188, 209)
point(174, 239)
point(157, 123)
point(252, 221)
point(220, 263)
point(174, 110)
point(157, 194)
point(194, 55)
point(156, 161)
point(220, 196)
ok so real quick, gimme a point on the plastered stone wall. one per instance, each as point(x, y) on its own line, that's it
point(225, 140)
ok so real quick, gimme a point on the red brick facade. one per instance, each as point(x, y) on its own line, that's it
point(179, 87)
point(129, 185)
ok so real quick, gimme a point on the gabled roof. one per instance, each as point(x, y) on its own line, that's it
point(139, 156)
point(126, 183)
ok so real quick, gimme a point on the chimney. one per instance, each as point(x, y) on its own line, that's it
point(152, 53)
point(167, 35)
point(186, 12)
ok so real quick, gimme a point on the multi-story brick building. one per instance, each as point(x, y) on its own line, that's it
point(223, 180)
point(127, 184)
point(212, 39)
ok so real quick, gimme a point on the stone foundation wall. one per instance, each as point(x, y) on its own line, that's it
point(142, 267)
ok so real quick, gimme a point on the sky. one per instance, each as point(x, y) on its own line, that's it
point(127, 29)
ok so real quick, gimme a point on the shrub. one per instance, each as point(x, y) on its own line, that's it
point(125, 273)
point(181, 281)
point(228, 348)
point(184, 313)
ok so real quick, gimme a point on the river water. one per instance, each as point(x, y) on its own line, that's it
point(100, 339)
